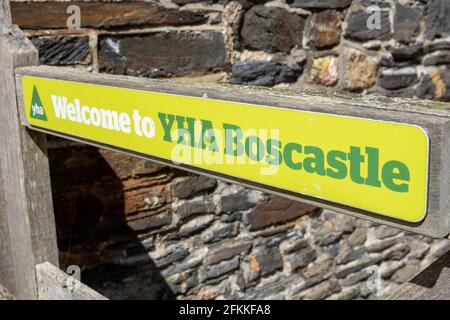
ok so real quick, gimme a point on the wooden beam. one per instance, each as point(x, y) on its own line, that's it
point(5, 294)
point(54, 284)
point(26, 203)
point(5, 13)
point(433, 283)
point(433, 117)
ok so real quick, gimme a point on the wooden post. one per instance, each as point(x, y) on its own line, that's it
point(433, 283)
point(5, 13)
point(26, 209)
point(55, 284)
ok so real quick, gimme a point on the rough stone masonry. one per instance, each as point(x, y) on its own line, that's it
point(140, 230)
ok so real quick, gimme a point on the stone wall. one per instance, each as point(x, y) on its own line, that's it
point(140, 230)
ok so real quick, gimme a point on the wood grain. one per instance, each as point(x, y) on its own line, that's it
point(5, 294)
point(434, 117)
point(5, 13)
point(27, 209)
point(54, 284)
point(433, 283)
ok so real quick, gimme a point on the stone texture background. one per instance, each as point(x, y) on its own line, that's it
point(140, 230)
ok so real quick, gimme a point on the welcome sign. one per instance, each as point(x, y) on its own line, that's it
point(377, 166)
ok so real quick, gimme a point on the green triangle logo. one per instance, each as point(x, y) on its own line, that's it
point(37, 110)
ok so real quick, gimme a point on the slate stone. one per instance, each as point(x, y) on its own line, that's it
point(356, 277)
point(425, 88)
point(193, 186)
point(235, 202)
point(437, 22)
point(437, 58)
point(411, 52)
point(276, 210)
point(349, 255)
point(193, 208)
point(259, 24)
point(397, 252)
point(302, 258)
point(406, 273)
point(406, 23)
point(396, 81)
point(262, 73)
point(357, 27)
point(320, 291)
point(358, 237)
point(388, 268)
point(383, 232)
point(294, 245)
point(227, 252)
point(355, 266)
point(176, 255)
point(220, 269)
point(158, 54)
point(269, 261)
point(184, 2)
point(216, 234)
point(435, 46)
point(195, 225)
point(345, 294)
point(151, 222)
point(381, 245)
point(101, 15)
point(319, 4)
point(62, 50)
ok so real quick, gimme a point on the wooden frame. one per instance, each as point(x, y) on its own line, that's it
point(28, 251)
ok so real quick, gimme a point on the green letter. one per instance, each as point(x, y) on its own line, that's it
point(274, 155)
point(373, 167)
point(356, 159)
point(249, 143)
point(395, 170)
point(182, 131)
point(287, 154)
point(314, 164)
point(166, 125)
point(340, 168)
point(233, 139)
point(208, 135)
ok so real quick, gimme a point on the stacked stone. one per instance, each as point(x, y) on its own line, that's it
point(141, 230)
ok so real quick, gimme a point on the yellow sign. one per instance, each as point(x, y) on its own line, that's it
point(377, 166)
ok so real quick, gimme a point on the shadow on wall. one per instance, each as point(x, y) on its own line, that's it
point(89, 201)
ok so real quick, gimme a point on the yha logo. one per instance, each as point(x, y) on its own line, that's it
point(37, 109)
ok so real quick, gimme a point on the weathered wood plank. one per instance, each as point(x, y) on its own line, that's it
point(5, 13)
point(54, 284)
point(432, 116)
point(5, 294)
point(433, 283)
point(26, 193)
